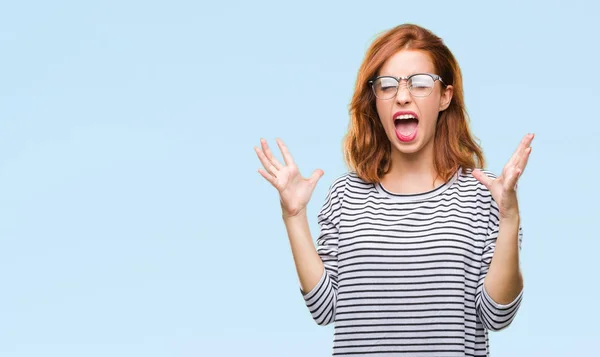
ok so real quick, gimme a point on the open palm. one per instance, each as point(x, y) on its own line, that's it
point(294, 190)
point(503, 187)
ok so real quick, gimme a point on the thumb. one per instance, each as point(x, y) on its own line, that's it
point(481, 177)
point(316, 175)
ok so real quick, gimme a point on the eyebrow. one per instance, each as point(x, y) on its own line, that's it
point(408, 75)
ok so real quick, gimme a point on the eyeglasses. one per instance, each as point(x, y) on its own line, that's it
point(418, 84)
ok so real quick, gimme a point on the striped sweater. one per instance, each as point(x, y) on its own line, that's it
point(404, 273)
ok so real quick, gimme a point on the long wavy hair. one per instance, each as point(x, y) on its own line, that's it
point(367, 149)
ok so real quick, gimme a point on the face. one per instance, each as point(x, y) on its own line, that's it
point(410, 136)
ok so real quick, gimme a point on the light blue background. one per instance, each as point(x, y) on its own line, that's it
point(133, 221)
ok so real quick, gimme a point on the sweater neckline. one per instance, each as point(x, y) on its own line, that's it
point(410, 197)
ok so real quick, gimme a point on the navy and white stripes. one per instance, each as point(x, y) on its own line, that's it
point(404, 273)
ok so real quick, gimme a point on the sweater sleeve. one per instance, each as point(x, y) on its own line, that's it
point(493, 315)
point(321, 300)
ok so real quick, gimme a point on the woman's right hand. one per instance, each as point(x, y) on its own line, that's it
point(294, 190)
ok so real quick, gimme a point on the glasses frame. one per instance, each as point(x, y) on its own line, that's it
point(435, 77)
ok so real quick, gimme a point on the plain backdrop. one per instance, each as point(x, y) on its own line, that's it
point(133, 221)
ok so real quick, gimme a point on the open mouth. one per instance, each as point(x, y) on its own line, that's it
point(406, 126)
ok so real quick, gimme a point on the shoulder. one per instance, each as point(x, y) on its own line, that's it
point(344, 183)
point(338, 185)
point(337, 188)
point(471, 186)
point(349, 178)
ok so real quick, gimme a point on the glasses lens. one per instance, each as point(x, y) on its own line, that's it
point(421, 85)
point(385, 88)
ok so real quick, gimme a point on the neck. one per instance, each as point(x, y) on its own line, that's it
point(412, 173)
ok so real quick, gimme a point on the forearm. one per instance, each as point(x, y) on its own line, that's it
point(504, 281)
point(309, 265)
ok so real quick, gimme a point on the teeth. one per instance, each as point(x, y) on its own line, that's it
point(405, 116)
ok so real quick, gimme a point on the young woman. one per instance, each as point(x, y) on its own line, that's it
point(418, 251)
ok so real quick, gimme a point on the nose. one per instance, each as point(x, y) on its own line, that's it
point(403, 96)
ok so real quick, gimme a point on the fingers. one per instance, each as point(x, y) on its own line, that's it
point(520, 151)
point(517, 163)
point(269, 178)
point(267, 164)
point(524, 159)
point(269, 154)
point(287, 157)
point(513, 169)
point(517, 170)
point(511, 178)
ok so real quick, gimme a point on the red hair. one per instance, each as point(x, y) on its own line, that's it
point(367, 149)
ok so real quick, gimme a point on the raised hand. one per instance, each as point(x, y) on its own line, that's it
point(294, 190)
point(503, 187)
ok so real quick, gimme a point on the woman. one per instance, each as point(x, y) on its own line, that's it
point(418, 252)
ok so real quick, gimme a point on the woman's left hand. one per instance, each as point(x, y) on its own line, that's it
point(503, 187)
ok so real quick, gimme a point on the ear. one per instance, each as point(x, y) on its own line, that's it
point(446, 98)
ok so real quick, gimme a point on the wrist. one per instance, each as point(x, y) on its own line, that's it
point(510, 223)
point(293, 215)
point(510, 215)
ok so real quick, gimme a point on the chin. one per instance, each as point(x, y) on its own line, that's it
point(408, 149)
